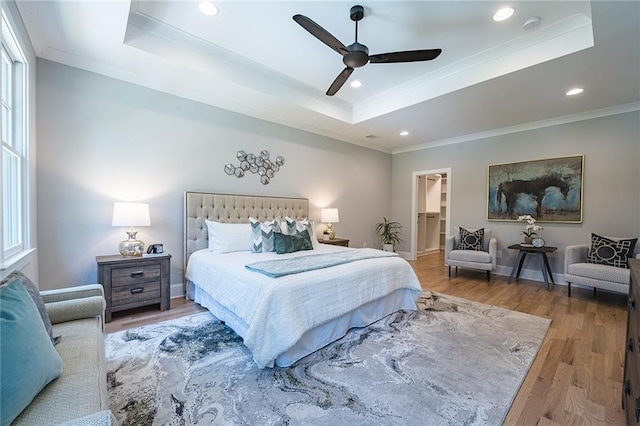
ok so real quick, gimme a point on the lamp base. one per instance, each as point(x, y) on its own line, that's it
point(132, 246)
point(330, 231)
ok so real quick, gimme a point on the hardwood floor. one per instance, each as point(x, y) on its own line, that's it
point(576, 379)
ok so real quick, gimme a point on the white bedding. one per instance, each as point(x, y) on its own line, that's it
point(276, 312)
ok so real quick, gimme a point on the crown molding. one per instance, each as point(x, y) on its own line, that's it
point(589, 115)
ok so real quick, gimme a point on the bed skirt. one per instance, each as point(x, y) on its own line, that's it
point(318, 337)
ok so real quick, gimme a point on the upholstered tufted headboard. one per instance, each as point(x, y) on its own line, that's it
point(230, 208)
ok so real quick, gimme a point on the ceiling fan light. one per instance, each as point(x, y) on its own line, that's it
point(575, 91)
point(208, 8)
point(503, 14)
point(356, 83)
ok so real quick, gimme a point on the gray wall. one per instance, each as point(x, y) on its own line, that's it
point(611, 146)
point(101, 140)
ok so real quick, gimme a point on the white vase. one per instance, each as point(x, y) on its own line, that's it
point(387, 247)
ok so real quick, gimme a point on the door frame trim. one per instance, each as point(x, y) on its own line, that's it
point(414, 206)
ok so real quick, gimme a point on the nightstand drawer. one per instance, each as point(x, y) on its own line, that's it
point(134, 275)
point(138, 294)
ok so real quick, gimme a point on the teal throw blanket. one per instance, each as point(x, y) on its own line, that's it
point(280, 267)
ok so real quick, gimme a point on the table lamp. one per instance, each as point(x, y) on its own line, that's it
point(329, 216)
point(131, 214)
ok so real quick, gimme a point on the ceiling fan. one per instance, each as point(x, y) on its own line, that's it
point(357, 55)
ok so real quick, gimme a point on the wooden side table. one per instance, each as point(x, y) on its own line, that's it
point(132, 282)
point(542, 256)
point(336, 242)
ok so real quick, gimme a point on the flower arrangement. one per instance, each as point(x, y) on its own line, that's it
point(531, 225)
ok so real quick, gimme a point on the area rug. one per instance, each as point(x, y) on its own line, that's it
point(452, 362)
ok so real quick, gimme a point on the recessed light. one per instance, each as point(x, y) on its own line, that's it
point(356, 83)
point(575, 91)
point(503, 14)
point(208, 8)
point(404, 133)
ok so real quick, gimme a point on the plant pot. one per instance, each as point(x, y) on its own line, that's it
point(528, 240)
point(387, 247)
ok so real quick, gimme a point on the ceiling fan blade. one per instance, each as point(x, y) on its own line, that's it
point(339, 81)
point(408, 56)
point(321, 34)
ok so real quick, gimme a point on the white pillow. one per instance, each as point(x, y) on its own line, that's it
point(229, 237)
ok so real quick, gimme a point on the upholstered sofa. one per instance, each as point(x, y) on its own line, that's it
point(78, 396)
point(605, 277)
point(483, 260)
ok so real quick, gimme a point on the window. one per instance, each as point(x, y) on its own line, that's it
point(14, 152)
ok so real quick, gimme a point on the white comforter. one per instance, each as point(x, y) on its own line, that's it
point(278, 311)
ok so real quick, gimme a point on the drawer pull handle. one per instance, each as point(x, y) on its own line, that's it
point(137, 290)
point(137, 274)
point(630, 345)
point(627, 388)
point(632, 304)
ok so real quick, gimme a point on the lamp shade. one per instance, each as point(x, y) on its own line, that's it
point(131, 214)
point(329, 216)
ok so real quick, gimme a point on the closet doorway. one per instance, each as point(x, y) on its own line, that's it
point(430, 213)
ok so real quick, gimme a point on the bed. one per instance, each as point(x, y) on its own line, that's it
point(283, 319)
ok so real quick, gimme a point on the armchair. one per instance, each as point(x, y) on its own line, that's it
point(578, 271)
point(484, 260)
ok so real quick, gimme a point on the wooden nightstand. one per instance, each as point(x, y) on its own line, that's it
point(336, 242)
point(131, 282)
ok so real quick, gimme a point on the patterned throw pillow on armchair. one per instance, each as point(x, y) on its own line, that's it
point(471, 240)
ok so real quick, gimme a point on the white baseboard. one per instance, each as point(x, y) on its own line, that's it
point(177, 290)
point(529, 274)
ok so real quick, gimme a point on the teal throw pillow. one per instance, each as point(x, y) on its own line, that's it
point(28, 360)
point(35, 295)
point(292, 243)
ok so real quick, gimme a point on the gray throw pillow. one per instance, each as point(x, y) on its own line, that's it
point(262, 233)
point(37, 299)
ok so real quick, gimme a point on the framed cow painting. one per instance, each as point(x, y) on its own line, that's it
point(550, 190)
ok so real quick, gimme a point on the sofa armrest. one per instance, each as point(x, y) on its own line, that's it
point(102, 418)
point(73, 303)
point(70, 310)
point(70, 293)
point(448, 247)
point(575, 254)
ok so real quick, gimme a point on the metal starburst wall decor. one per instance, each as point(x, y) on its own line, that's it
point(256, 164)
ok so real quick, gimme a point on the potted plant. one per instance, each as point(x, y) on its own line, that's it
point(389, 234)
point(531, 227)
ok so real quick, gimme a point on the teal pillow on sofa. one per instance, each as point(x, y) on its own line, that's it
point(28, 360)
point(35, 295)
